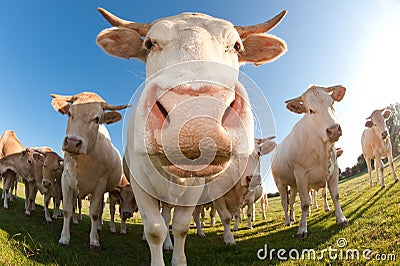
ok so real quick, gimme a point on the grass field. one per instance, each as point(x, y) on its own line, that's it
point(373, 230)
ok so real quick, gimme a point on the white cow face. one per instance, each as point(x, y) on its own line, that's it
point(86, 112)
point(377, 121)
point(195, 112)
point(317, 105)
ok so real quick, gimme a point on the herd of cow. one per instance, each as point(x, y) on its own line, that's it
point(185, 103)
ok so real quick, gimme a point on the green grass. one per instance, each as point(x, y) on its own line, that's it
point(373, 214)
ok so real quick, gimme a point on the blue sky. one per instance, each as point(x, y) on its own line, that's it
point(49, 47)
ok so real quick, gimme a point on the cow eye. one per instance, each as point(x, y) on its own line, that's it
point(69, 114)
point(312, 111)
point(237, 47)
point(148, 44)
point(96, 119)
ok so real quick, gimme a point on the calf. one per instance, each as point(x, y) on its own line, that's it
point(228, 206)
point(123, 195)
point(306, 158)
point(250, 199)
point(91, 162)
point(376, 145)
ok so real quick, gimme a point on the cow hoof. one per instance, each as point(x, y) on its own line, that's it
point(122, 232)
point(27, 213)
point(344, 223)
point(202, 235)
point(396, 181)
point(302, 235)
point(49, 221)
point(63, 244)
point(113, 231)
point(328, 210)
point(287, 224)
point(231, 243)
point(95, 248)
point(382, 187)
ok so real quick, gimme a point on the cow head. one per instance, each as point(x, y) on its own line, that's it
point(195, 112)
point(53, 166)
point(317, 105)
point(252, 177)
point(21, 163)
point(377, 121)
point(86, 112)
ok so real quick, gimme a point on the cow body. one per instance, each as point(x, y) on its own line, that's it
point(9, 143)
point(92, 165)
point(306, 158)
point(192, 123)
point(250, 199)
point(376, 145)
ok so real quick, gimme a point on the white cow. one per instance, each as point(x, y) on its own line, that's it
point(258, 194)
point(376, 145)
point(91, 162)
point(306, 158)
point(193, 121)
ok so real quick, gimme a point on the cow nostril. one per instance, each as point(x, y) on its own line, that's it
point(78, 144)
point(340, 129)
point(384, 134)
point(66, 141)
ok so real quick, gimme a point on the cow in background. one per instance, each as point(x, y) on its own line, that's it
point(376, 145)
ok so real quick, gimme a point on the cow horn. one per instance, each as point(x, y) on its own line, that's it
point(292, 100)
point(69, 99)
point(110, 107)
point(141, 28)
point(271, 137)
point(245, 31)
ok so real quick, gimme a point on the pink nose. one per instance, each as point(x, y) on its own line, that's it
point(384, 134)
point(334, 132)
point(72, 145)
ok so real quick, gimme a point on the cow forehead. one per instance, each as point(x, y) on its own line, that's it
point(317, 96)
point(377, 115)
point(174, 26)
point(86, 109)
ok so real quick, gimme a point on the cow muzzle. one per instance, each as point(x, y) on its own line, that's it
point(127, 215)
point(72, 145)
point(334, 132)
point(46, 183)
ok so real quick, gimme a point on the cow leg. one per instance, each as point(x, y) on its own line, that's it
point(236, 217)
point(203, 214)
point(47, 197)
point(4, 191)
point(8, 178)
point(325, 198)
point(226, 218)
point(32, 190)
point(56, 203)
point(68, 204)
point(369, 167)
point(212, 216)
point(155, 230)
point(180, 228)
point(390, 159)
point(166, 214)
point(263, 207)
point(302, 186)
point(293, 194)
point(381, 168)
point(196, 218)
point(95, 212)
point(314, 198)
point(113, 201)
point(75, 203)
point(334, 190)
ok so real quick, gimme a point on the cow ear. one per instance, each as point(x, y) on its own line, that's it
point(369, 123)
point(261, 48)
point(38, 157)
point(110, 117)
point(267, 146)
point(122, 42)
point(387, 114)
point(60, 104)
point(296, 106)
point(338, 93)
